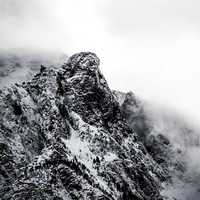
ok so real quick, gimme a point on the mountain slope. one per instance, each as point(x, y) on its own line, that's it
point(62, 136)
point(171, 140)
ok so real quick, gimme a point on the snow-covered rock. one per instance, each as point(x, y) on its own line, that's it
point(63, 137)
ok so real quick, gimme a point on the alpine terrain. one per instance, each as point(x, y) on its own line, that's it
point(65, 135)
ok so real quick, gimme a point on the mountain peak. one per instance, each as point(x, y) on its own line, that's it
point(63, 137)
point(83, 82)
point(84, 61)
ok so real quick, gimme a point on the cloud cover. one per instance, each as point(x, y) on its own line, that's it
point(148, 46)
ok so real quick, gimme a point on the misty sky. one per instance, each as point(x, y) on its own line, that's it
point(148, 46)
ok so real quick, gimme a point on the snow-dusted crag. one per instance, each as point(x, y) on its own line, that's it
point(63, 137)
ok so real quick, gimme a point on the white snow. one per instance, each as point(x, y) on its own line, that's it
point(109, 157)
point(83, 126)
point(81, 149)
point(46, 155)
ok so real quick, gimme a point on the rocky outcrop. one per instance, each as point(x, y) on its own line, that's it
point(62, 136)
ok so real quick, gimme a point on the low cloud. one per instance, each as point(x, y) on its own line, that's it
point(185, 138)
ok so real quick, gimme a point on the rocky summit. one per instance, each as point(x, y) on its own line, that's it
point(63, 136)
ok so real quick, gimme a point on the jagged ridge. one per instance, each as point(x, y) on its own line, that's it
point(63, 137)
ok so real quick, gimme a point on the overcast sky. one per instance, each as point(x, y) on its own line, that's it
point(148, 46)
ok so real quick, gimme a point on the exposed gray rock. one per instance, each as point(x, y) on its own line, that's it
point(62, 136)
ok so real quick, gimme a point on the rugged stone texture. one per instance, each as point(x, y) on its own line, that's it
point(62, 136)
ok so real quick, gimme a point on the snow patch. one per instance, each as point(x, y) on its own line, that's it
point(109, 157)
point(45, 156)
point(80, 149)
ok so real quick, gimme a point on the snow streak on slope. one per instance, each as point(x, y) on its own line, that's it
point(63, 136)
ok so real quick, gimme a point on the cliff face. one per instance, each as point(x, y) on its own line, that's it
point(62, 136)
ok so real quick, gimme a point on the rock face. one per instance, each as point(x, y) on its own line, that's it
point(62, 136)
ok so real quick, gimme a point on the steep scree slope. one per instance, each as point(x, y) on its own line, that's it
point(62, 137)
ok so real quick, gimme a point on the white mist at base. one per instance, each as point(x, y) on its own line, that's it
point(185, 138)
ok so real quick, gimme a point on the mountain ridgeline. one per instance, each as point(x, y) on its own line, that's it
point(65, 135)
